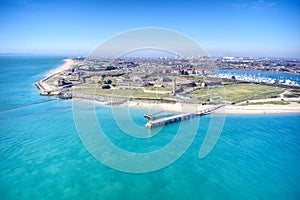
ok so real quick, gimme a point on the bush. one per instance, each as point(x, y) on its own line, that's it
point(105, 87)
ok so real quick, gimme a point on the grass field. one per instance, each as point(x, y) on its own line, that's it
point(165, 88)
point(232, 93)
point(119, 93)
point(237, 92)
point(267, 102)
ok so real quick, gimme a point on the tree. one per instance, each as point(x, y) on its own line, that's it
point(109, 81)
point(193, 84)
point(105, 87)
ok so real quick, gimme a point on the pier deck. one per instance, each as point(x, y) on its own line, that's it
point(180, 117)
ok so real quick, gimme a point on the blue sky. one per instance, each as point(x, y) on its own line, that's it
point(234, 27)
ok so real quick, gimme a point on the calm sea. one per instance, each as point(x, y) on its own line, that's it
point(42, 157)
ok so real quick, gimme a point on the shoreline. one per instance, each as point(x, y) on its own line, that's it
point(65, 66)
point(48, 90)
point(291, 108)
point(45, 88)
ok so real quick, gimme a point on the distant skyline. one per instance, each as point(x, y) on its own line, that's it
point(258, 28)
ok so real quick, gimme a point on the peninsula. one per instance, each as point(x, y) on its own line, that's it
point(169, 83)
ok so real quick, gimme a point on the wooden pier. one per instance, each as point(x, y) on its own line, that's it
point(177, 118)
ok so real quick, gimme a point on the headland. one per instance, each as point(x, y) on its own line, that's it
point(186, 87)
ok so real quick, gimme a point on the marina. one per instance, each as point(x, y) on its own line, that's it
point(260, 77)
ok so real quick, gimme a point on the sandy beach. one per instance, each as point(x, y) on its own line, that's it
point(292, 107)
point(48, 89)
point(68, 63)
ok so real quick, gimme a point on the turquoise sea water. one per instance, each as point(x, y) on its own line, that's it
point(42, 157)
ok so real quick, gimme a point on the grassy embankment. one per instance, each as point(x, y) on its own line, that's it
point(94, 89)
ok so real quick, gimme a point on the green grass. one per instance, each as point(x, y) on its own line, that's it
point(195, 78)
point(234, 93)
point(166, 88)
point(238, 92)
point(119, 93)
point(293, 95)
point(268, 102)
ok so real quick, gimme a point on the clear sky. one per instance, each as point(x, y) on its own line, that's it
point(233, 27)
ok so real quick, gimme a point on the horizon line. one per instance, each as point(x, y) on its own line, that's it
point(146, 56)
